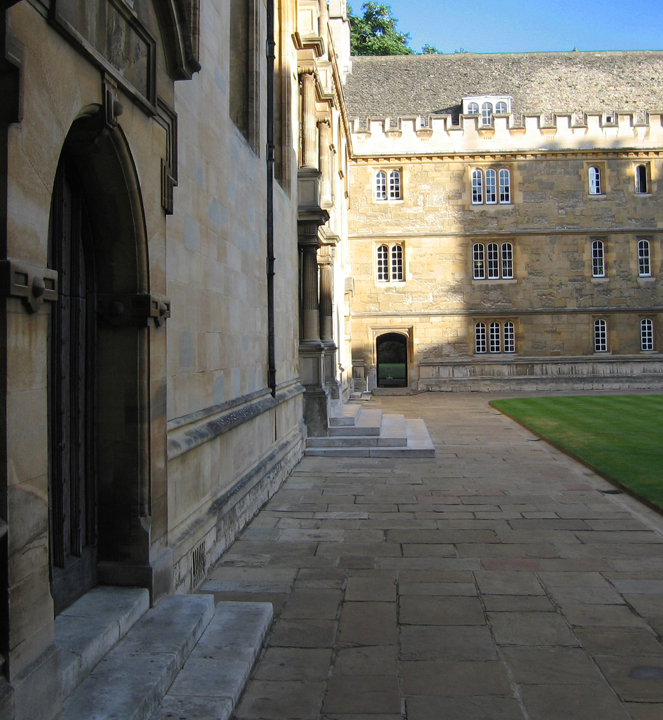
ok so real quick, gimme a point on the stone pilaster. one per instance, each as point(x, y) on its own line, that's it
point(311, 348)
point(310, 304)
point(326, 304)
point(324, 133)
point(309, 157)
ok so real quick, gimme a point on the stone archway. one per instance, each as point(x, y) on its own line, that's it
point(98, 384)
point(392, 364)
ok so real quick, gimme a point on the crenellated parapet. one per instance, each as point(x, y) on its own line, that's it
point(508, 132)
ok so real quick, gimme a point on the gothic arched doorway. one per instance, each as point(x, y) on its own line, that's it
point(98, 400)
point(72, 390)
point(392, 360)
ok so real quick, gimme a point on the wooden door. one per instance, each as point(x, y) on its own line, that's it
point(71, 397)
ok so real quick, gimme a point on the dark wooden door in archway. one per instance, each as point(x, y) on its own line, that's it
point(392, 360)
point(71, 396)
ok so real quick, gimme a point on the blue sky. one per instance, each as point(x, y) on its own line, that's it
point(489, 26)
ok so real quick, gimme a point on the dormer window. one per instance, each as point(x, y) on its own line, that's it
point(486, 106)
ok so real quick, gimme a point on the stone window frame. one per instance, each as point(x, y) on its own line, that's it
point(388, 184)
point(251, 132)
point(600, 335)
point(642, 178)
point(595, 187)
point(644, 247)
point(484, 257)
point(389, 262)
point(488, 186)
point(647, 334)
point(599, 269)
point(495, 337)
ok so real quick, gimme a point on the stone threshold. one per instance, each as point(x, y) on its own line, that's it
point(213, 678)
point(90, 628)
point(132, 678)
point(184, 658)
point(355, 431)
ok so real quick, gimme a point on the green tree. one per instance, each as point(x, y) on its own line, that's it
point(374, 33)
point(430, 50)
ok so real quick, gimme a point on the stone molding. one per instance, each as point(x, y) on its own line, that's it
point(536, 132)
point(191, 431)
point(551, 370)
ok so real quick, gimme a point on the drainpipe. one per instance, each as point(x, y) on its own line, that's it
point(271, 352)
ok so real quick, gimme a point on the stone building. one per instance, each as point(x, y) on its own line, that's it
point(182, 303)
point(163, 179)
point(505, 220)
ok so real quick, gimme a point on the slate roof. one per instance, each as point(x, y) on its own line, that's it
point(407, 85)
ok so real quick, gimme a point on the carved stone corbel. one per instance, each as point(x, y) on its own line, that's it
point(31, 283)
point(140, 308)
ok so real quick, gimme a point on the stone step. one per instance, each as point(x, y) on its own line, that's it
point(214, 676)
point(367, 423)
point(87, 630)
point(131, 680)
point(419, 444)
point(393, 431)
point(342, 440)
point(346, 415)
point(402, 438)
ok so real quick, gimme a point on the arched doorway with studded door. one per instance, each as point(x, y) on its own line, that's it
point(97, 383)
point(392, 360)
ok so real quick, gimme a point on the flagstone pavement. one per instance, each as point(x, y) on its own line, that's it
point(497, 581)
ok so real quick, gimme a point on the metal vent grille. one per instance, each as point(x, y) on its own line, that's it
point(198, 565)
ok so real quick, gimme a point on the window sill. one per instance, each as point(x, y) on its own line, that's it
point(646, 280)
point(495, 281)
point(600, 279)
point(489, 355)
point(492, 206)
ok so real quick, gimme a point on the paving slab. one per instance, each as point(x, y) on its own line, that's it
point(551, 666)
point(572, 702)
point(620, 641)
point(464, 642)
point(494, 581)
point(474, 708)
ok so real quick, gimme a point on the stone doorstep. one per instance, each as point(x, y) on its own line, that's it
point(355, 430)
point(131, 679)
point(343, 440)
point(89, 629)
point(398, 438)
point(213, 678)
point(346, 415)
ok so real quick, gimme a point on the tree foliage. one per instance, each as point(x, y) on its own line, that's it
point(430, 50)
point(374, 33)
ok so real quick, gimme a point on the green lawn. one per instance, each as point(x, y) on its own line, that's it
point(619, 436)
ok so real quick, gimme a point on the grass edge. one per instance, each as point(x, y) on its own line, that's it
point(569, 453)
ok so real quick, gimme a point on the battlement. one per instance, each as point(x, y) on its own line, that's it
point(508, 132)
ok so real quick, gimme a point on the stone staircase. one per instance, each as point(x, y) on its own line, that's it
point(183, 658)
point(358, 431)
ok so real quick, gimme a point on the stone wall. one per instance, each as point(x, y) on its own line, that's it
point(550, 222)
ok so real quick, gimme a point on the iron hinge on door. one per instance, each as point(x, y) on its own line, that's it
point(140, 308)
point(34, 284)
